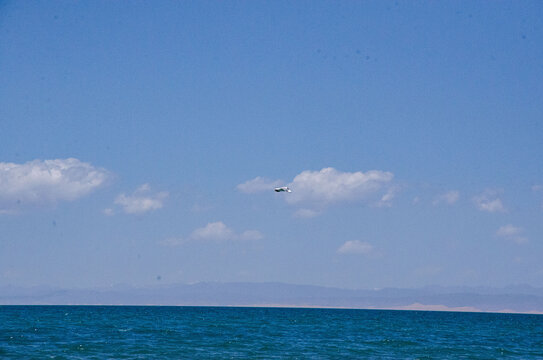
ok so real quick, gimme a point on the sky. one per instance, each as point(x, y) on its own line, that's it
point(140, 143)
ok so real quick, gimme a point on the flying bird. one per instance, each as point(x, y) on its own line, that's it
point(282, 188)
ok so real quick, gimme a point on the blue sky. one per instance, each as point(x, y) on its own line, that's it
point(140, 143)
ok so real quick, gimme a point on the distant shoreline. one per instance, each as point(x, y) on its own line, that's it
point(514, 300)
point(413, 307)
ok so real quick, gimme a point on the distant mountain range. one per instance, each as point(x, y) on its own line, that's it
point(522, 299)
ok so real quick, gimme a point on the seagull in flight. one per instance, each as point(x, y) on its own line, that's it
point(282, 189)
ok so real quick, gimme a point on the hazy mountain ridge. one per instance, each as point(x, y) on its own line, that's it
point(513, 298)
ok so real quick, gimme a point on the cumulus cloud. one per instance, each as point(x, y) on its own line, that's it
point(355, 247)
point(216, 231)
point(318, 189)
point(330, 186)
point(512, 233)
point(489, 201)
point(47, 181)
point(313, 191)
point(258, 184)
point(449, 198)
point(140, 201)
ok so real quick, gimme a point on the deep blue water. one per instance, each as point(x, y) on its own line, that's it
point(147, 332)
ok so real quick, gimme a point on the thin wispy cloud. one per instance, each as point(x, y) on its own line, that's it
point(47, 181)
point(258, 184)
point(449, 198)
point(140, 201)
point(355, 247)
point(388, 196)
point(108, 212)
point(512, 233)
point(306, 213)
point(489, 201)
point(216, 232)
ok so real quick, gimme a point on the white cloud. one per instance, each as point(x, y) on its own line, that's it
point(449, 198)
point(313, 191)
point(489, 201)
point(250, 235)
point(47, 181)
point(355, 247)
point(213, 231)
point(386, 199)
point(258, 184)
point(216, 231)
point(508, 230)
point(143, 188)
point(512, 233)
point(320, 188)
point(141, 201)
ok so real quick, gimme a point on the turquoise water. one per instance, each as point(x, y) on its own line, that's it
point(149, 332)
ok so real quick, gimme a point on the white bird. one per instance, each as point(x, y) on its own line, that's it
point(282, 188)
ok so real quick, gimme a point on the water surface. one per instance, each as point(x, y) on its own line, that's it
point(164, 332)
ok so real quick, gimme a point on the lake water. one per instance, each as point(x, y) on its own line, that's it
point(164, 332)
